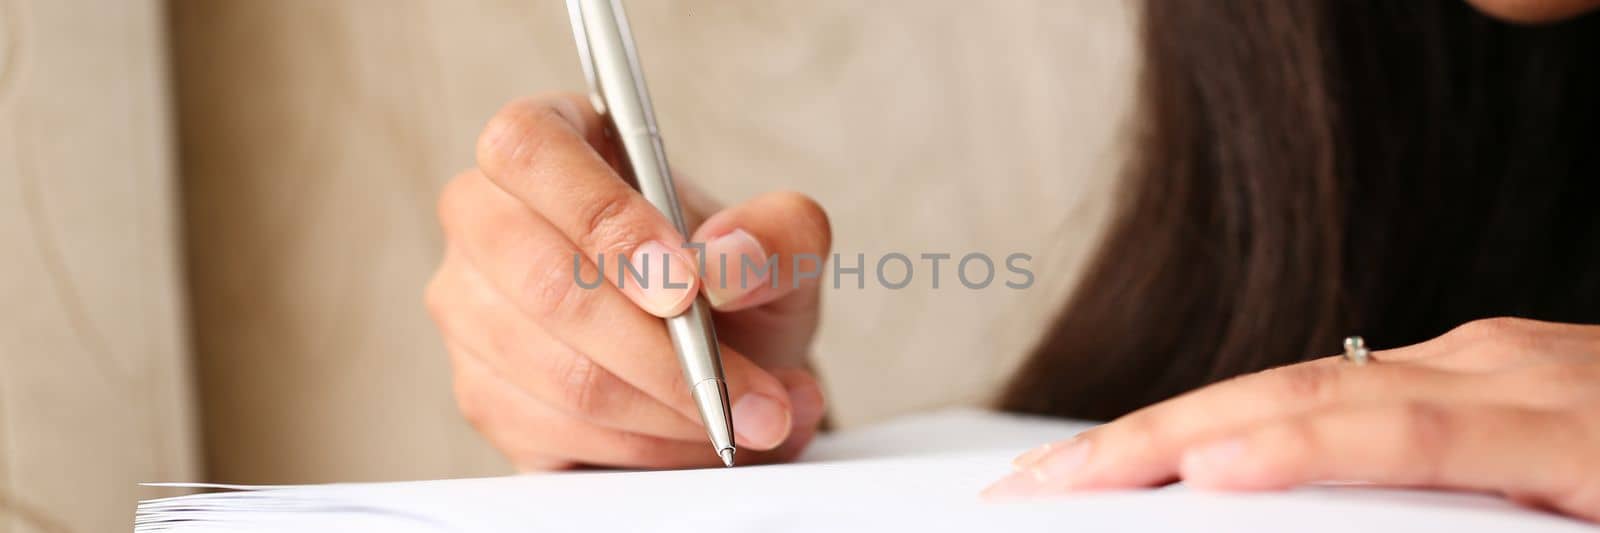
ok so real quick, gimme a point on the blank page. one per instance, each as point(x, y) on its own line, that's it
point(918, 473)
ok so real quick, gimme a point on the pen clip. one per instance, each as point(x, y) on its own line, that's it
point(585, 55)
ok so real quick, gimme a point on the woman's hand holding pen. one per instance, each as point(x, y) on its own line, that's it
point(1501, 405)
point(556, 375)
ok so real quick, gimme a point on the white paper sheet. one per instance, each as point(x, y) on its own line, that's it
point(920, 473)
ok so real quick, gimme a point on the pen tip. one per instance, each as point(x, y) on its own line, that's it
point(727, 456)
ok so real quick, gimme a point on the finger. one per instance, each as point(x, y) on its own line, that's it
point(778, 333)
point(469, 310)
point(476, 407)
point(1533, 454)
point(538, 438)
point(754, 251)
point(531, 263)
point(805, 395)
point(522, 427)
point(1143, 448)
point(539, 151)
point(1544, 12)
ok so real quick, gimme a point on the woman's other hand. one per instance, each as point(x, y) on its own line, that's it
point(1504, 405)
point(554, 374)
point(1534, 11)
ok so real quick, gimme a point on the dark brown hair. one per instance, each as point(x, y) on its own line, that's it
point(1305, 170)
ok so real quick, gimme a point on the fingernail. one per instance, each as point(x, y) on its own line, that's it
point(1051, 467)
point(668, 278)
point(1028, 458)
point(760, 421)
point(726, 280)
point(1210, 460)
point(1017, 486)
point(1059, 465)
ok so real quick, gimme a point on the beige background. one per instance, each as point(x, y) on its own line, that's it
point(313, 136)
point(94, 391)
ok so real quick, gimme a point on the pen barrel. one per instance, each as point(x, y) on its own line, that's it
point(620, 95)
point(693, 335)
point(626, 104)
point(647, 167)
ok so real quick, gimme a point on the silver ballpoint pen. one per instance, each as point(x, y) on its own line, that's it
point(616, 88)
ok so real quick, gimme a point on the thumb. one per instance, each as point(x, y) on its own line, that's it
point(763, 249)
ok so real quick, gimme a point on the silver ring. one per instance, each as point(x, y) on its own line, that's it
point(1355, 351)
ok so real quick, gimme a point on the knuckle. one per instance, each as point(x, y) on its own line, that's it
point(578, 385)
point(1490, 328)
point(610, 225)
point(548, 288)
point(1295, 435)
point(810, 214)
point(1425, 427)
point(435, 296)
point(1308, 382)
point(1416, 440)
point(1142, 433)
point(512, 133)
point(453, 200)
point(474, 211)
point(469, 401)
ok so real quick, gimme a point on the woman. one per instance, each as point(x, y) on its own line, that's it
point(1306, 170)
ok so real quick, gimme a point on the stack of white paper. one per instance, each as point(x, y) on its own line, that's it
point(919, 473)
